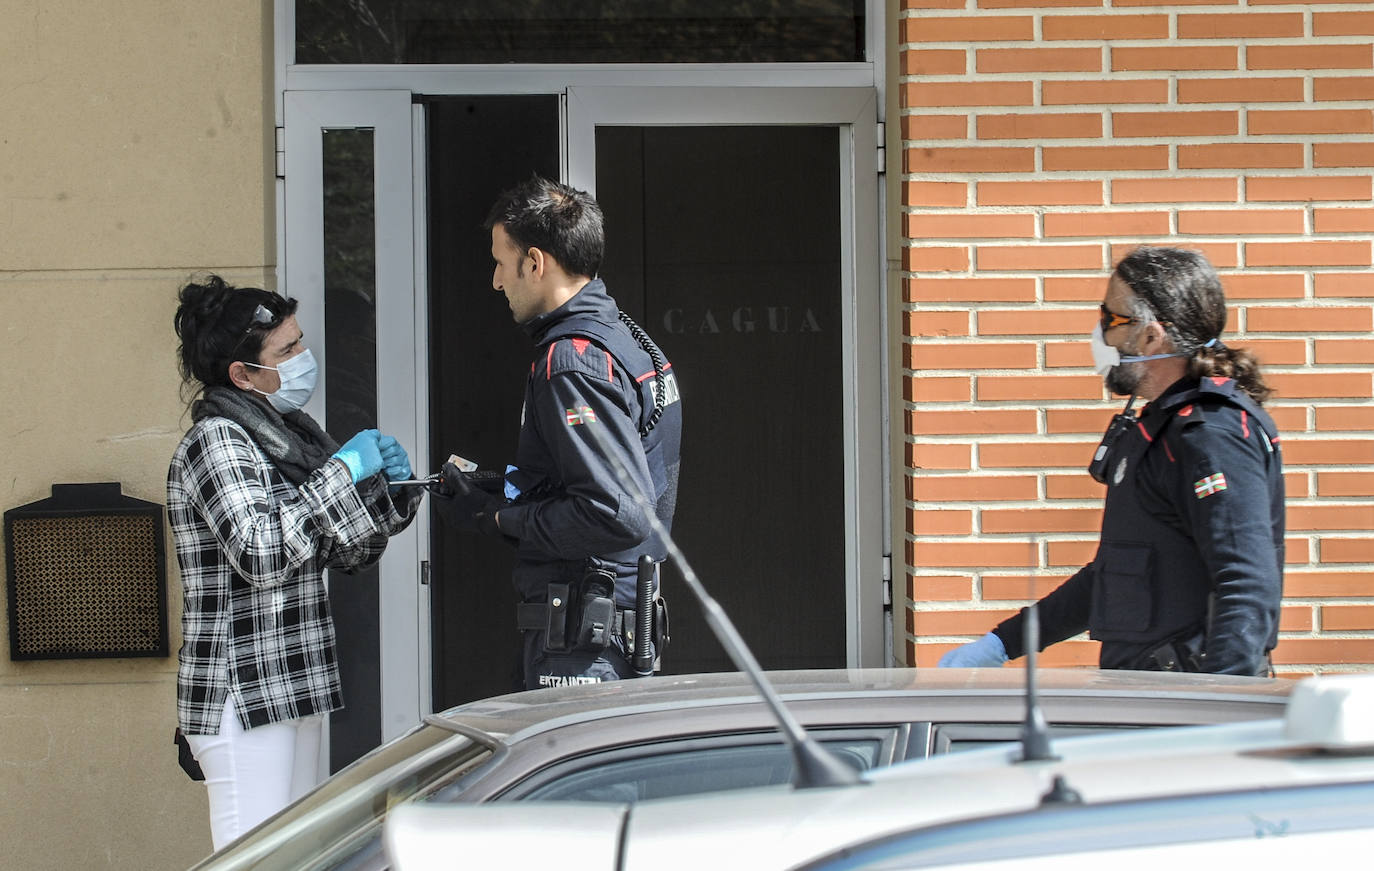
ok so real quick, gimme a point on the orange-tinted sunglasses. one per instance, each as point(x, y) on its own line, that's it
point(1112, 319)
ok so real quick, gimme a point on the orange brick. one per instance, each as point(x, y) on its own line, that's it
point(1104, 27)
point(1152, 124)
point(1264, 285)
point(1321, 384)
point(932, 4)
point(934, 62)
point(1346, 484)
point(935, 258)
point(1347, 550)
point(1344, 351)
point(1347, 618)
point(1309, 57)
point(1342, 23)
point(1327, 585)
point(937, 323)
point(1349, 418)
point(1042, 520)
point(980, 159)
point(1331, 220)
point(1240, 222)
point(1040, 258)
point(1295, 618)
point(1039, 60)
point(1039, 4)
point(1315, 253)
point(1035, 455)
point(1284, 319)
point(1240, 155)
point(1296, 551)
point(935, 193)
point(1078, 420)
point(1071, 553)
point(939, 588)
point(1039, 193)
point(1309, 121)
point(1277, 352)
point(956, 622)
point(1289, 419)
point(1328, 452)
point(924, 455)
point(1059, 355)
point(1077, 486)
point(1099, 224)
point(942, 389)
point(962, 94)
point(992, 388)
point(1193, 57)
point(940, 522)
point(1020, 588)
point(1333, 90)
point(1231, 25)
point(1309, 189)
point(1324, 517)
point(1174, 190)
point(926, 126)
point(1240, 90)
point(1040, 126)
point(1067, 654)
point(942, 226)
point(984, 28)
point(969, 289)
point(1054, 93)
point(1222, 255)
point(950, 355)
point(1075, 288)
point(993, 322)
point(1333, 284)
point(970, 422)
point(1342, 154)
point(1323, 650)
point(973, 488)
point(1295, 484)
point(959, 554)
point(1080, 158)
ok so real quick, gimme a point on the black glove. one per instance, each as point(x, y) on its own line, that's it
point(464, 506)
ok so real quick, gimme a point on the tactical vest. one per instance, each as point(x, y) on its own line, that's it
point(1150, 583)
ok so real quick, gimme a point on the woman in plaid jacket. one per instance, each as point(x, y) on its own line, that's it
point(262, 501)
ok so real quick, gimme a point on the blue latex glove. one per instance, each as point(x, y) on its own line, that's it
point(394, 460)
point(986, 652)
point(361, 455)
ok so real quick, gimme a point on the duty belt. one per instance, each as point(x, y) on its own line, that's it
point(535, 615)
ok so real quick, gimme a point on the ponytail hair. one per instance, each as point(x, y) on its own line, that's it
point(215, 323)
point(1181, 291)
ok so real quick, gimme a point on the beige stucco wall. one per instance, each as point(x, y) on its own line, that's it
point(135, 147)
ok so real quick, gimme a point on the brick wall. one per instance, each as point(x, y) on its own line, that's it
point(1042, 141)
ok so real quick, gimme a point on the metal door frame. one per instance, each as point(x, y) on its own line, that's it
point(853, 111)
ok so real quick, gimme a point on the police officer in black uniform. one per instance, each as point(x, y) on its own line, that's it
point(1188, 574)
point(599, 446)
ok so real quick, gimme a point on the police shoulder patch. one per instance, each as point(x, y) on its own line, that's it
point(581, 356)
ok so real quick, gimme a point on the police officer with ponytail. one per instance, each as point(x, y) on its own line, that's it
point(1188, 574)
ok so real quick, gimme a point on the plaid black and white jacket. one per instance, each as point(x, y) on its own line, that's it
point(253, 549)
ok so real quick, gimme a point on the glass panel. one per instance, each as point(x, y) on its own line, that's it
point(350, 378)
point(579, 31)
point(691, 772)
point(724, 242)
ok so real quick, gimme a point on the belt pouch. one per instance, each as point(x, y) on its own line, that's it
point(556, 636)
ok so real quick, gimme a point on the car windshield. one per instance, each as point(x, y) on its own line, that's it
point(344, 815)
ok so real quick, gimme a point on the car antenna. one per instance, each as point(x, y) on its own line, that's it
point(1035, 731)
point(813, 765)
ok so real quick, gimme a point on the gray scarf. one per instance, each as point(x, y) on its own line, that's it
point(293, 441)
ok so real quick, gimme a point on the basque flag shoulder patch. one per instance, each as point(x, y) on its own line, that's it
point(580, 415)
point(1211, 484)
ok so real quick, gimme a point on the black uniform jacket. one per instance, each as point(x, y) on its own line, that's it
point(591, 377)
point(1192, 538)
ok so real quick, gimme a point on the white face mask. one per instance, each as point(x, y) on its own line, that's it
point(298, 376)
point(1105, 357)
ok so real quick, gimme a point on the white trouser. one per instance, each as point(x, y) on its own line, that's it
point(253, 774)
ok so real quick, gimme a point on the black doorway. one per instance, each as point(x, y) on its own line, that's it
point(725, 243)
